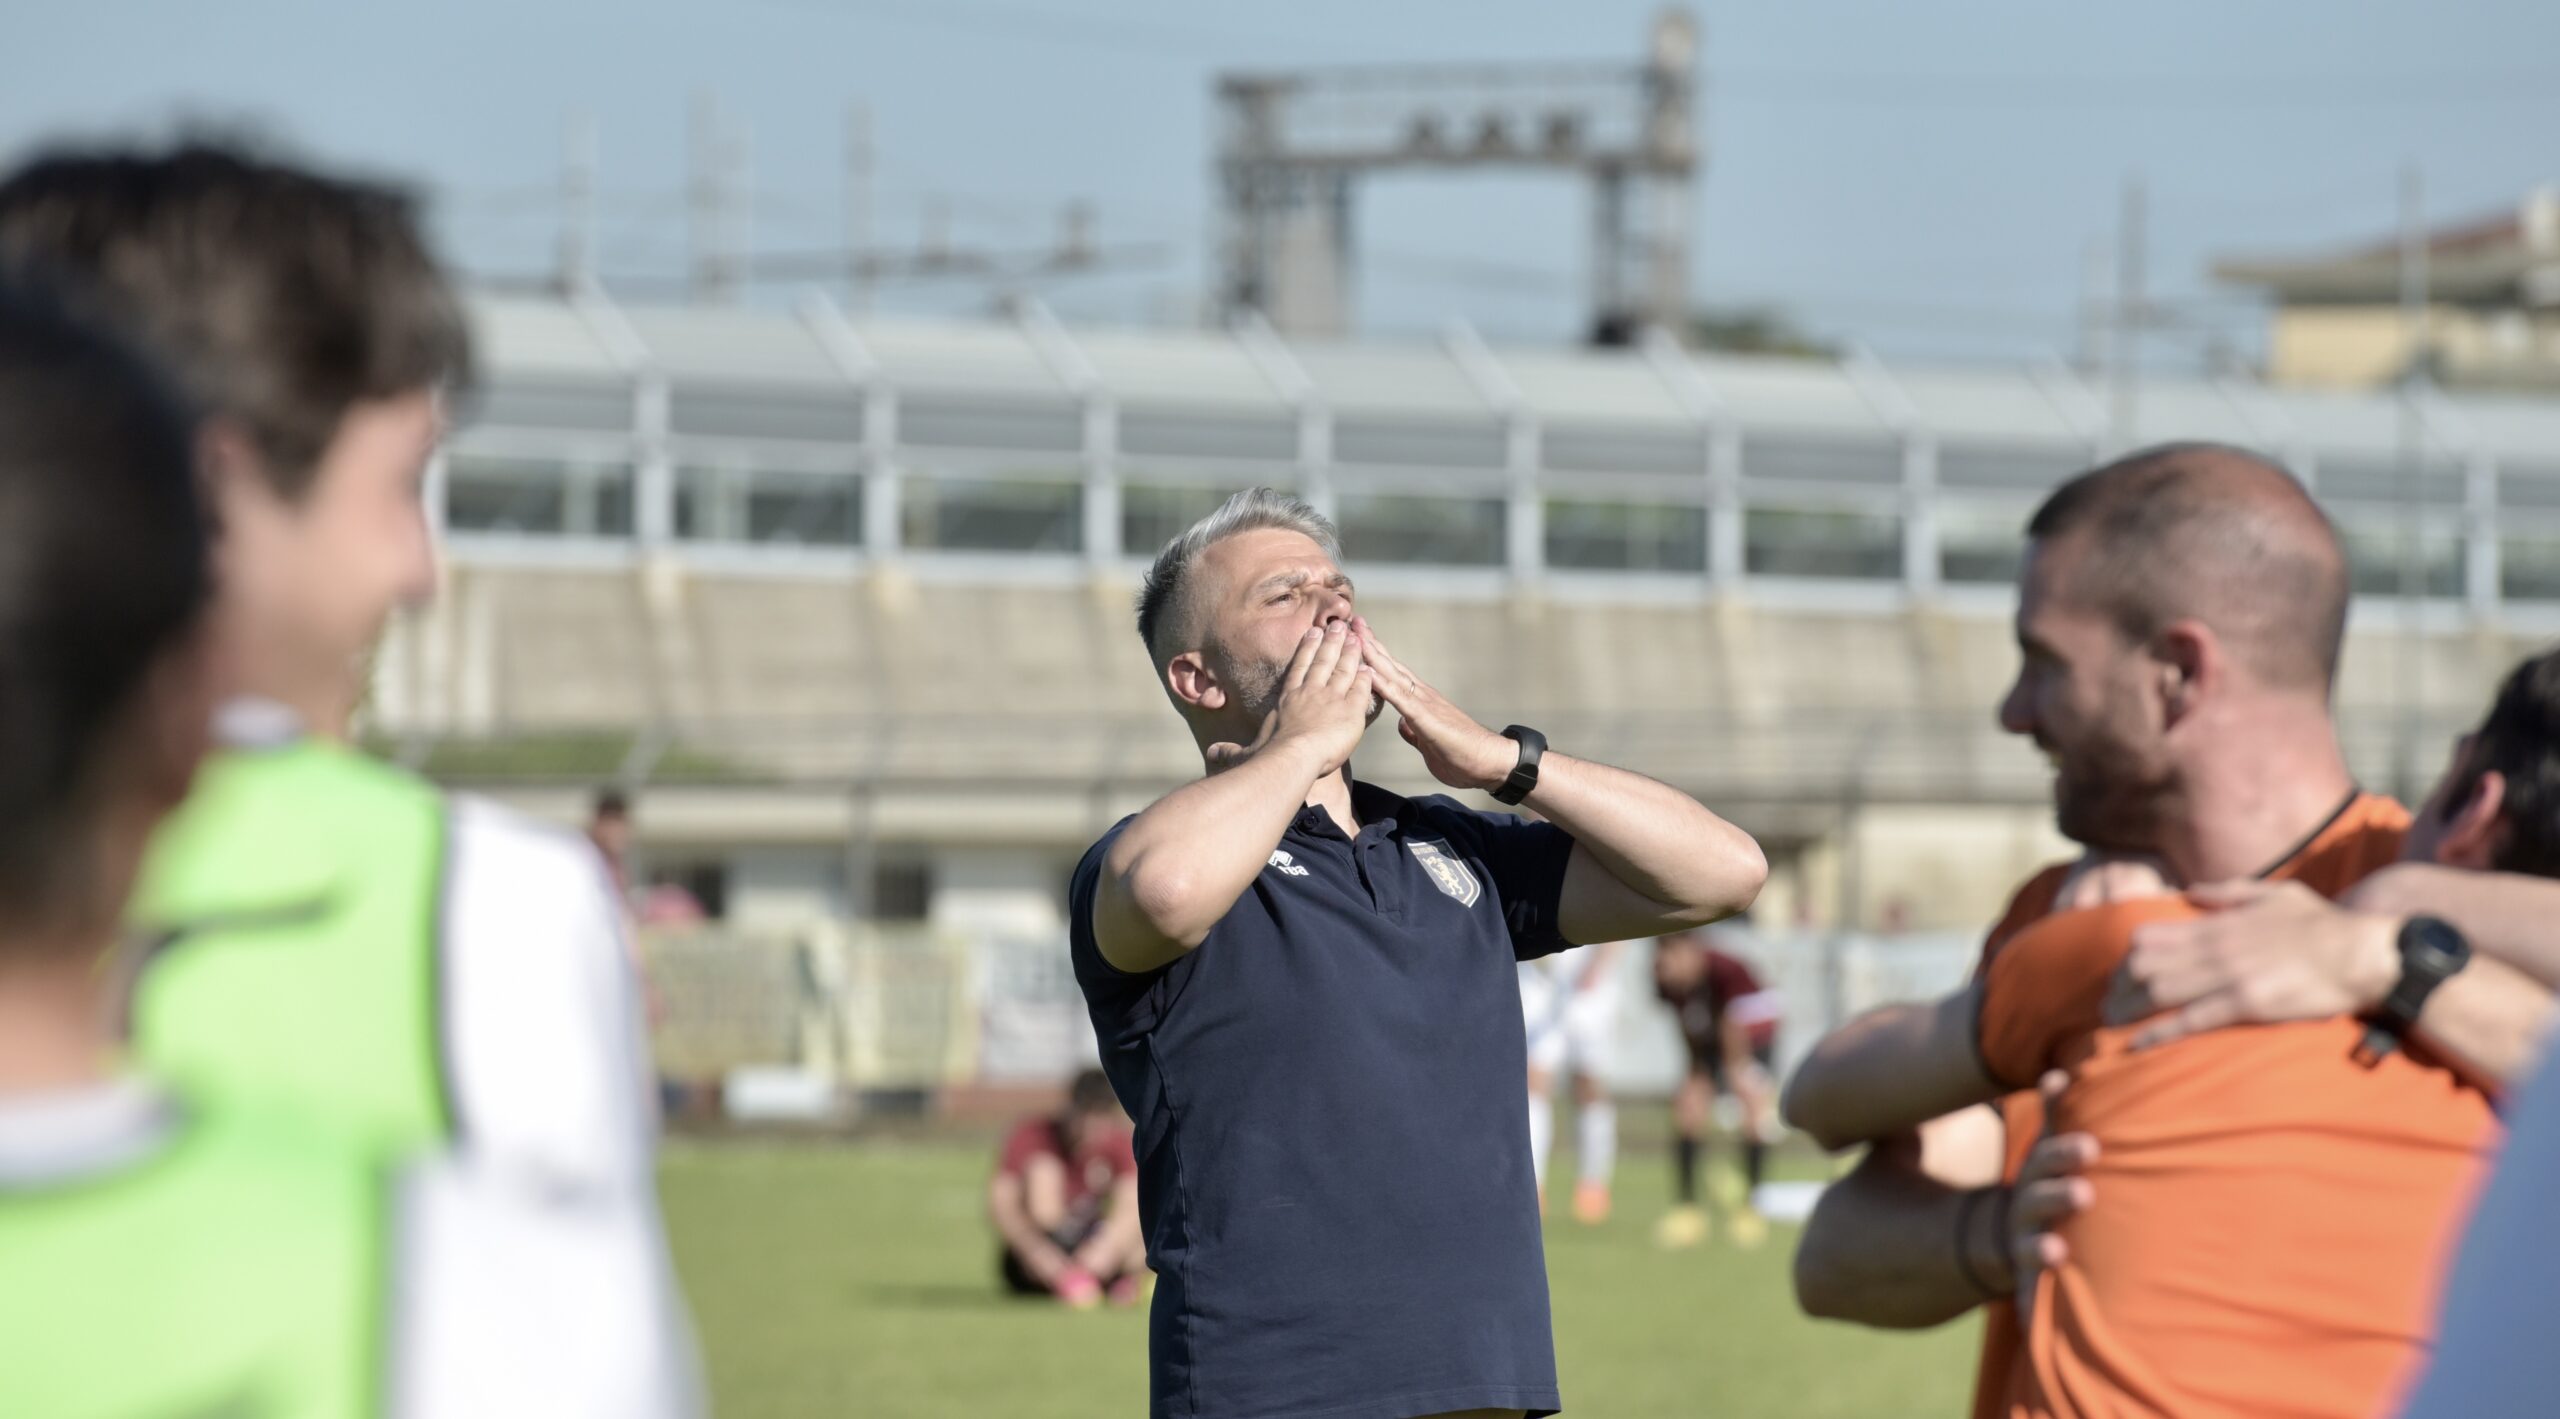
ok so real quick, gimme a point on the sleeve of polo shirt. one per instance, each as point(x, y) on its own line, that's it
point(1526, 861)
point(1116, 994)
point(2049, 984)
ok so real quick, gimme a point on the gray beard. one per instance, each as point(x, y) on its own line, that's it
point(1256, 691)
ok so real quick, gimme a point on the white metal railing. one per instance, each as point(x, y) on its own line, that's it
point(1740, 475)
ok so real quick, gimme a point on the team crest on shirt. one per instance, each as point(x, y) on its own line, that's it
point(1451, 876)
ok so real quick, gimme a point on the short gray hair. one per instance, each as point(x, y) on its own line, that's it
point(1253, 510)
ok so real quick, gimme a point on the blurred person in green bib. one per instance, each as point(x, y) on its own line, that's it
point(163, 1252)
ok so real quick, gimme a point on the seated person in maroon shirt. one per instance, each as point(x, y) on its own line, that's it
point(1065, 1202)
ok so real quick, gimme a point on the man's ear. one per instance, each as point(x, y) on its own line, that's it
point(1193, 683)
point(2475, 829)
point(230, 471)
point(2187, 666)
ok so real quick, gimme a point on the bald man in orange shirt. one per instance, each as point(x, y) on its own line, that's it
point(2276, 1204)
point(2180, 619)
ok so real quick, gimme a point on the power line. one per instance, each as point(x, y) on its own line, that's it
point(1151, 38)
point(1903, 89)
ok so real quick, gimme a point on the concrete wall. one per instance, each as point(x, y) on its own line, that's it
point(1001, 891)
point(785, 886)
point(999, 728)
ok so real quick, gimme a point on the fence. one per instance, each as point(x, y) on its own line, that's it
point(880, 1010)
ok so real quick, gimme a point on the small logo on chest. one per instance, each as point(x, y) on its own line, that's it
point(1453, 877)
point(1287, 865)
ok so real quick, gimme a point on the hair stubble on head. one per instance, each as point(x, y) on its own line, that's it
point(1169, 599)
point(2213, 534)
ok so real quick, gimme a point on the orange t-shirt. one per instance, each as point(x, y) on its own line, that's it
point(2022, 1114)
point(2272, 1215)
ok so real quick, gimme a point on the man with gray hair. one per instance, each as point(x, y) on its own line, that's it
point(1305, 994)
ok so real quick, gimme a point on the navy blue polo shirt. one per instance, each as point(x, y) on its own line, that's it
point(1333, 1148)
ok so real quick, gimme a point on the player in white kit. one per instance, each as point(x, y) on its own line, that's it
point(1569, 1005)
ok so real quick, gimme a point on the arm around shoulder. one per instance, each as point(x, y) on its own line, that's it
point(1883, 1246)
point(1891, 1070)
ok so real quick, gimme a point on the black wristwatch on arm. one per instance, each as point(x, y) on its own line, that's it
point(1524, 775)
point(2431, 953)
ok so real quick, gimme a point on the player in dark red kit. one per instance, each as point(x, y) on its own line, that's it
point(1064, 1200)
point(1730, 1022)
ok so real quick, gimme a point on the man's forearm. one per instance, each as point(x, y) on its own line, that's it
point(2493, 1019)
point(1882, 1246)
point(1889, 1071)
point(2504, 915)
point(1653, 839)
point(1181, 864)
point(2490, 1022)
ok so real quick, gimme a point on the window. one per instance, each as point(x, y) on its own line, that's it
point(2529, 567)
point(768, 506)
point(1222, 436)
point(676, 885)
point(1629, 537)
point(2377, 555)
point(2023, 467)
point(1041, 427)
point(902, 890)
point(1980, 546)
point(1776, 462)
point(1419, 443)
point(579, 406)
point(2388, 487)
point(1441, 532)
point(1151, 516)
point(1806, 543)
point(537, 497)
point(1606, 448)
point(718, 410)
point(991, 515)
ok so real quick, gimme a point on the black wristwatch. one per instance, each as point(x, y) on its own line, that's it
point(1524, 775)
point(2431, 953)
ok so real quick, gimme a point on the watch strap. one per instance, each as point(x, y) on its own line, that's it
point(2432, 951)
point(1524, 774)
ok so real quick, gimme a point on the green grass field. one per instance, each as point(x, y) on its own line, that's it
point(835, 1280)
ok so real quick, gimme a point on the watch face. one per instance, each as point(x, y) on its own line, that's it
point(2433, 946)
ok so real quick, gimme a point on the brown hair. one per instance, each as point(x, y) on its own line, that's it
point(103, 570)
point(2520, 738)
point(278, 297)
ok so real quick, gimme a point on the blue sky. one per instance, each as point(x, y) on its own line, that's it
point(1927, 177)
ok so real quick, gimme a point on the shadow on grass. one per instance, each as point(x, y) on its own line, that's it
point(977, 1296)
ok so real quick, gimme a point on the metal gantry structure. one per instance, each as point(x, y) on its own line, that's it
point(1295, 146)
